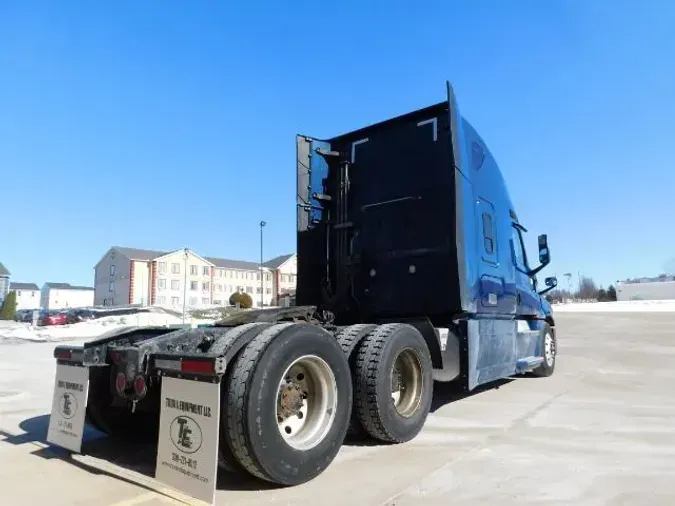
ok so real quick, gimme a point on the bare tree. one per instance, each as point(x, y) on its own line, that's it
point(588, 290)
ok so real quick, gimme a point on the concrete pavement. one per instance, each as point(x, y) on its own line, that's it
point(601, 431)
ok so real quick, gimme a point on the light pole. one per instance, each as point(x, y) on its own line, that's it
point(185, 257)
point(262, 277)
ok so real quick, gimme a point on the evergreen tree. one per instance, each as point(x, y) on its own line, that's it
point(8, 309)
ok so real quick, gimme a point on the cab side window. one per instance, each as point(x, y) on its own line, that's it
point(517, 248)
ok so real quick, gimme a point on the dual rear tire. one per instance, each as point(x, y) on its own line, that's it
point(291, 395)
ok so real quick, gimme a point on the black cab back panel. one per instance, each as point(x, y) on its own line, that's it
point(387, 236)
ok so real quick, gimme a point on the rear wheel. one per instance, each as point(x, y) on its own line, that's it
point(393, 382)
point(289, 402)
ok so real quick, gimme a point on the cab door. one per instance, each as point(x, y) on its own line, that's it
point(526, 295)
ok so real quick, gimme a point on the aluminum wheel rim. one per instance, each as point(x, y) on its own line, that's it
point(306, 402)
point(549, 349)
point(406, 382)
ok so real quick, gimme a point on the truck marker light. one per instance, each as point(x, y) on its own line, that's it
point(196, 366)
point(121, 382)
point(63, 354)
point(139, 386)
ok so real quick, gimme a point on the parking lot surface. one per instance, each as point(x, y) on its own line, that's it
point(600, 431)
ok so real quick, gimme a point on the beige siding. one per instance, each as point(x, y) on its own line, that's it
point(53, 298)
point(28, 299)
point(112, 289)
point(141, 276)
point(177, 275)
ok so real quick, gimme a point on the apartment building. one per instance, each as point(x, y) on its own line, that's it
point(149, 277)
point(28, 295)
point(4, 282)
point(65, 295)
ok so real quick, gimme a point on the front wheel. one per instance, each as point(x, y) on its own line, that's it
point(549, 347)
point(288, 404)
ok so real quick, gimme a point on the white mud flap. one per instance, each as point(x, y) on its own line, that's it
point(66, 422)
point(187, 450)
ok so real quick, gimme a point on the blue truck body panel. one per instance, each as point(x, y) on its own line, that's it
point(419, 223)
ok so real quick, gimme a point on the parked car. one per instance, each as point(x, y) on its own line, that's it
point(53, 318)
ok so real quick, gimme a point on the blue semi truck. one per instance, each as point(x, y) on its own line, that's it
point(411, 269)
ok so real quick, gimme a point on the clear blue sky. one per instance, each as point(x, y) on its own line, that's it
point(113, 114)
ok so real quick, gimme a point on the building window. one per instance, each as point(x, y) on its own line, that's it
point(249, 289)
point(220, 273)
point(111, 286)
point(175, 268)
point(236, 275)
point(161, 284)
point(205, 287)
point(488, 234)
point(193, 286)
point(175, 284)
point(175, 301)
point(268, 291)
point(219, 288)
point(205, 300)
point(161, 300)
point(206, 271)
point(257, 277)
point(161, 267)
point(268, 277)
point(258, 290)
point(193, 270)
point(231, 275)
point(218, 302)
point(193, 301)
point(112, 270)
point(18, 294)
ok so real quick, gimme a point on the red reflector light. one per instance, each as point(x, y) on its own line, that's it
point(196, 366)
point(140, 386)
point(63, 354)
point(121, 382)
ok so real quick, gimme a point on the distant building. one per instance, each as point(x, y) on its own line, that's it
point(4, 282)
point(660, 288)
point(148, 277)
point(27, 295)
point(65, 295)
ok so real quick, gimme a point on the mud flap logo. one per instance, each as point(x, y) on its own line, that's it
point(66, 422)
point(67, 405)
point(186, 434)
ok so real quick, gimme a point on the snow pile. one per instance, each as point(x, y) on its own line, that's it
point(17, 332)
point(631, 306)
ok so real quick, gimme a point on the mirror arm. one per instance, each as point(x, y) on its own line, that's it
point(546, 290)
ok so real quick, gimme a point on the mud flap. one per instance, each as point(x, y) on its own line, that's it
point(69, 402)
point(187, 449)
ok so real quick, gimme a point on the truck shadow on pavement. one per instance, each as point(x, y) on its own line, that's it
point(121, 460)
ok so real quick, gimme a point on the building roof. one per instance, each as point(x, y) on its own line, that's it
point(140, 254)
point(67, 286)
point(234, 264)
point(3, 270)
point(277, 262)
point(148, 254)
point(23, 286)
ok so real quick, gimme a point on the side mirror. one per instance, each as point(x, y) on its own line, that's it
point(551, 283)
point(544, 255)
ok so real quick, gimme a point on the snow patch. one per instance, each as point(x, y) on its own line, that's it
point(631, 306)
point(15, 332)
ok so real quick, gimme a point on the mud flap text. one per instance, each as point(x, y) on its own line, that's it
point(187, 450)
point(66, 422)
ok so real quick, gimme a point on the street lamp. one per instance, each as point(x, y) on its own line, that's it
point(262, 277)
point(185, 257)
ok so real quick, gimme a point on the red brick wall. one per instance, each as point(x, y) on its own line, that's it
point(153, 282)
point(132, 266)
